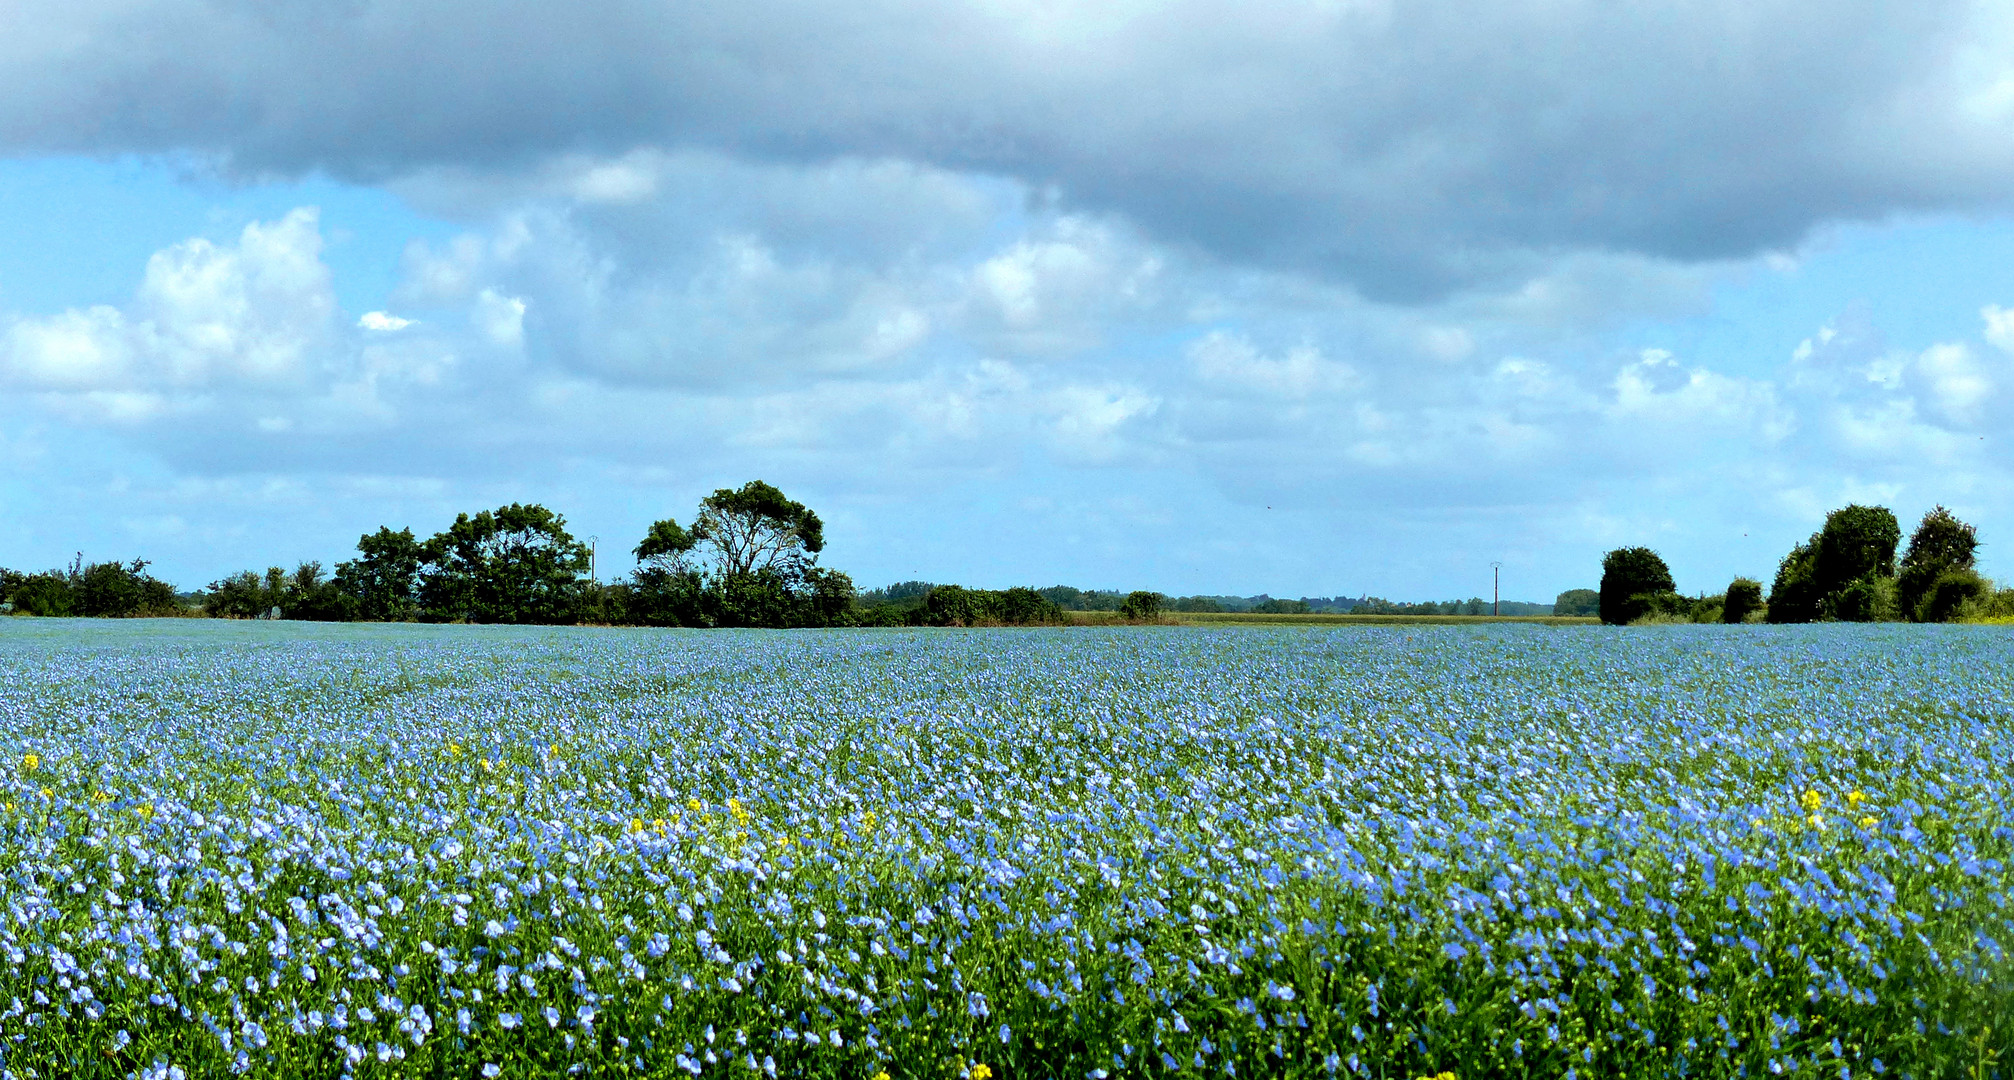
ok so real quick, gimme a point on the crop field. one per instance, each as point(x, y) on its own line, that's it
point(1496, 850)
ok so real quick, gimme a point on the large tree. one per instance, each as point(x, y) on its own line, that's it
point(750, 558)
point(1632, 579)
point(517, 564)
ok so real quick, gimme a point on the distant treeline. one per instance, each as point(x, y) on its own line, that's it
point(1846, 572)
point(748, 558)
point(910, 593)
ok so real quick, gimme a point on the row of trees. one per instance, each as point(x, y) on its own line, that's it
point(1847, 571)
point(749, 558)
point(106, 589)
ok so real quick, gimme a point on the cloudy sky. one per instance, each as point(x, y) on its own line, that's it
point(1319, 297)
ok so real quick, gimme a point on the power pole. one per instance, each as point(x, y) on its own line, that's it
point(592, 543)
point(1496, 593)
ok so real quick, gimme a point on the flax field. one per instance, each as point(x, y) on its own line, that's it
point(283, 850)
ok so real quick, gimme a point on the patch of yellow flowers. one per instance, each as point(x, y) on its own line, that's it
point(30, 762)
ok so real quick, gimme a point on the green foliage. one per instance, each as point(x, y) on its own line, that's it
point(1870, 598)
point(1630, 577)
point(1941, 545)
point(517, 564)
point(953, 605)
point(1577, 602)
point(1142, 605)
point(1271, 606)
point(1846, 571)
point(1954, 594)
point(749, 559)
point(1709, 609)
point(1203, 604)
point(1856, 544)
point(383, 582)
point(1743, 599)
point(98, 590)
point(1794, 596)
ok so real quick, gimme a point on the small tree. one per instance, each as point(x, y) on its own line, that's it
point(1630, 577)
point(1794, 596)
point(1142, 605)
point(1744, 598)
point(1941, 545)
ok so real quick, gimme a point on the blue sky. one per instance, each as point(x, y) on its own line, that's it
point(1306, 298)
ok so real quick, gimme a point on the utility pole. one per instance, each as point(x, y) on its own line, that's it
point(1496, 593)
point(592, 543)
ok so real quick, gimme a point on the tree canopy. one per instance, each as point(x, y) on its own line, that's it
point(1631, 579)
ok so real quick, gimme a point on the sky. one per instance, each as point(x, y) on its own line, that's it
point(1329, 297)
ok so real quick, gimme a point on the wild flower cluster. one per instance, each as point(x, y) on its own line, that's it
point(1476, 851)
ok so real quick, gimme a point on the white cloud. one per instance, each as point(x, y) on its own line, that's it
point(383, 322)
point(259, 313)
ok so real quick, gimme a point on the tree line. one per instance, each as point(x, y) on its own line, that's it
point(747, 558)
point(1846, 572)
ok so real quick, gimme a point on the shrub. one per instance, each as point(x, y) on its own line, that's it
point(1870, 598)
point(1141, 605)
point(1952, 594)
point(1628, 576)
point(1794, 596)
point(1743, 599)
point(1271, 606)
point(1940, 545)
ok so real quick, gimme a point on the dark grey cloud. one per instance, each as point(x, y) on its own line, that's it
point(1406, 148)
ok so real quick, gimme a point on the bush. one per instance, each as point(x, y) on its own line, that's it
point(1578, 603)
point(1710, 609)
point(1954, 593)
point(1866, 599)
point(1794, 596)
point(47, 595)
point(1629, 577)
point(1271, 606)
point(1743, 599)
point(1142, 605)
point(1941, 545)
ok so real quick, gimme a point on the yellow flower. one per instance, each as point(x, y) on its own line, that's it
point(1868, 822)
point(145, 810)
point(740, 815)
point(658, 825)
point(1816, 821)
point(1855, 798)
point(979, 1072)
point(882, 1075)
point(694, 805)
point(454, 748)
point(487, 767)
point(47, 793)
point(636, 825)
point(30, 762)
point(1812, 801)
point(101, 797)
